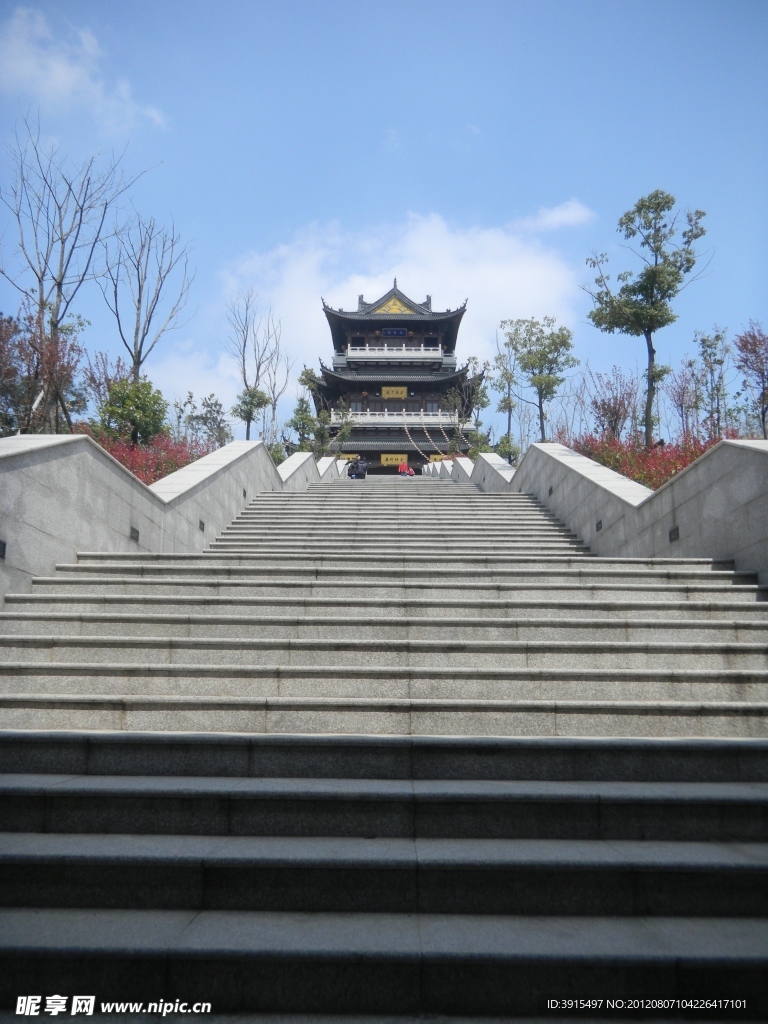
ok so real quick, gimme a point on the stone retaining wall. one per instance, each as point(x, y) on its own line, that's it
point(60, 494)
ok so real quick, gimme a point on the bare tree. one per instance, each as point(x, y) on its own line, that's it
point(100, 374)
point(60, 213)
point(263, 365)
point(277, 374)
point(752, 361)
point(247, 338)
point(141, 260)
point(684, 389)
point(613, 400)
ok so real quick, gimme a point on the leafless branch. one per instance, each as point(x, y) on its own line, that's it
point(140, 263)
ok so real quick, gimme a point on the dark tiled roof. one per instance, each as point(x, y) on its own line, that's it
point(395, 445)
point(340, 320)
point(382, 376)
point(417, 310)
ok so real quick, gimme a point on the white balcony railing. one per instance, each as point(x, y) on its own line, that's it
point(393, 418)
point(385, 351)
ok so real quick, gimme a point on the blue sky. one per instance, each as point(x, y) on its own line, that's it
point(476, 150)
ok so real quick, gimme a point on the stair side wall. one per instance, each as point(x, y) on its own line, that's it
point(715, 508)
point(64, 494)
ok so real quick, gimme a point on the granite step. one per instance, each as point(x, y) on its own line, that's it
point(352, 622)
point(57, 709)
point(275, 683)
point(524, 877)
point(321, 586)
point(479, 655)
point(51, 604)
point(727, 812)
point(378, 963)
point(384, 757)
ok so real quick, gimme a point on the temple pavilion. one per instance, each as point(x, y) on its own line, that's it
point(394, 360)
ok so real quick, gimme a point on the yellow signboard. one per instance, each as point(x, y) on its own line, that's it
point(436, 458)
point(347, 456)
point(394, 392)
point(390, 459)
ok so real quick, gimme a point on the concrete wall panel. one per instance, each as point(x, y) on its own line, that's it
point(60, 494)
point(718, 504)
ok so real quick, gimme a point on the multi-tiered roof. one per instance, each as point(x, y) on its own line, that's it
point(393, 362)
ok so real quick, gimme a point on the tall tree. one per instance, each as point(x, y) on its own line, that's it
point(504, 381)
point(543, 355)
point(302, 423)
point(60, 214)
point(752, 361)
point(146, 285)
point(39, 375)
point(256, 343)
point(277, 374)
point(685, 393)
point(641, 304)
point(713, 358)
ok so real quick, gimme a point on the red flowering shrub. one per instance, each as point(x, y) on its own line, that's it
point(155, 459)
point(649, 466)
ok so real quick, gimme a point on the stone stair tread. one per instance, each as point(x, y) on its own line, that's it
point(317, 851)
point(523, 608)
point(369, 645)
point(372, 704)
point(402, 937)
point(352, 622)
point(493, 790)
point(319, 755)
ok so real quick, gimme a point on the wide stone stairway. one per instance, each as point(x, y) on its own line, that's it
point(387, 747)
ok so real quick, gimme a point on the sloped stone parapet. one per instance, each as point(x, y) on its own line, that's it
point(462, 470)
point(715, 508)
point(60, 494)
point(492, 474)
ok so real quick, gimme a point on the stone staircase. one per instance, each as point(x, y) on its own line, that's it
point(387, 747)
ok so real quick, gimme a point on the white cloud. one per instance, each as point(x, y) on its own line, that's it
point(503, 273)
point(63, 76)
point(566, 215)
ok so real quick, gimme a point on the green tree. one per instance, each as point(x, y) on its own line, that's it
point(466, 399)
point(210, 423)
point(543, 355)
point(504, 381)
point(342, 432)
point(641, 304)
point(249, 404)
point(277, 452)
point(136, 407)
point(507, 449)
point(321, 442)
point(308, 379)
point(302, 423)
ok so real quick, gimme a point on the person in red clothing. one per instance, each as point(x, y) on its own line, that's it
point(402, 469)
